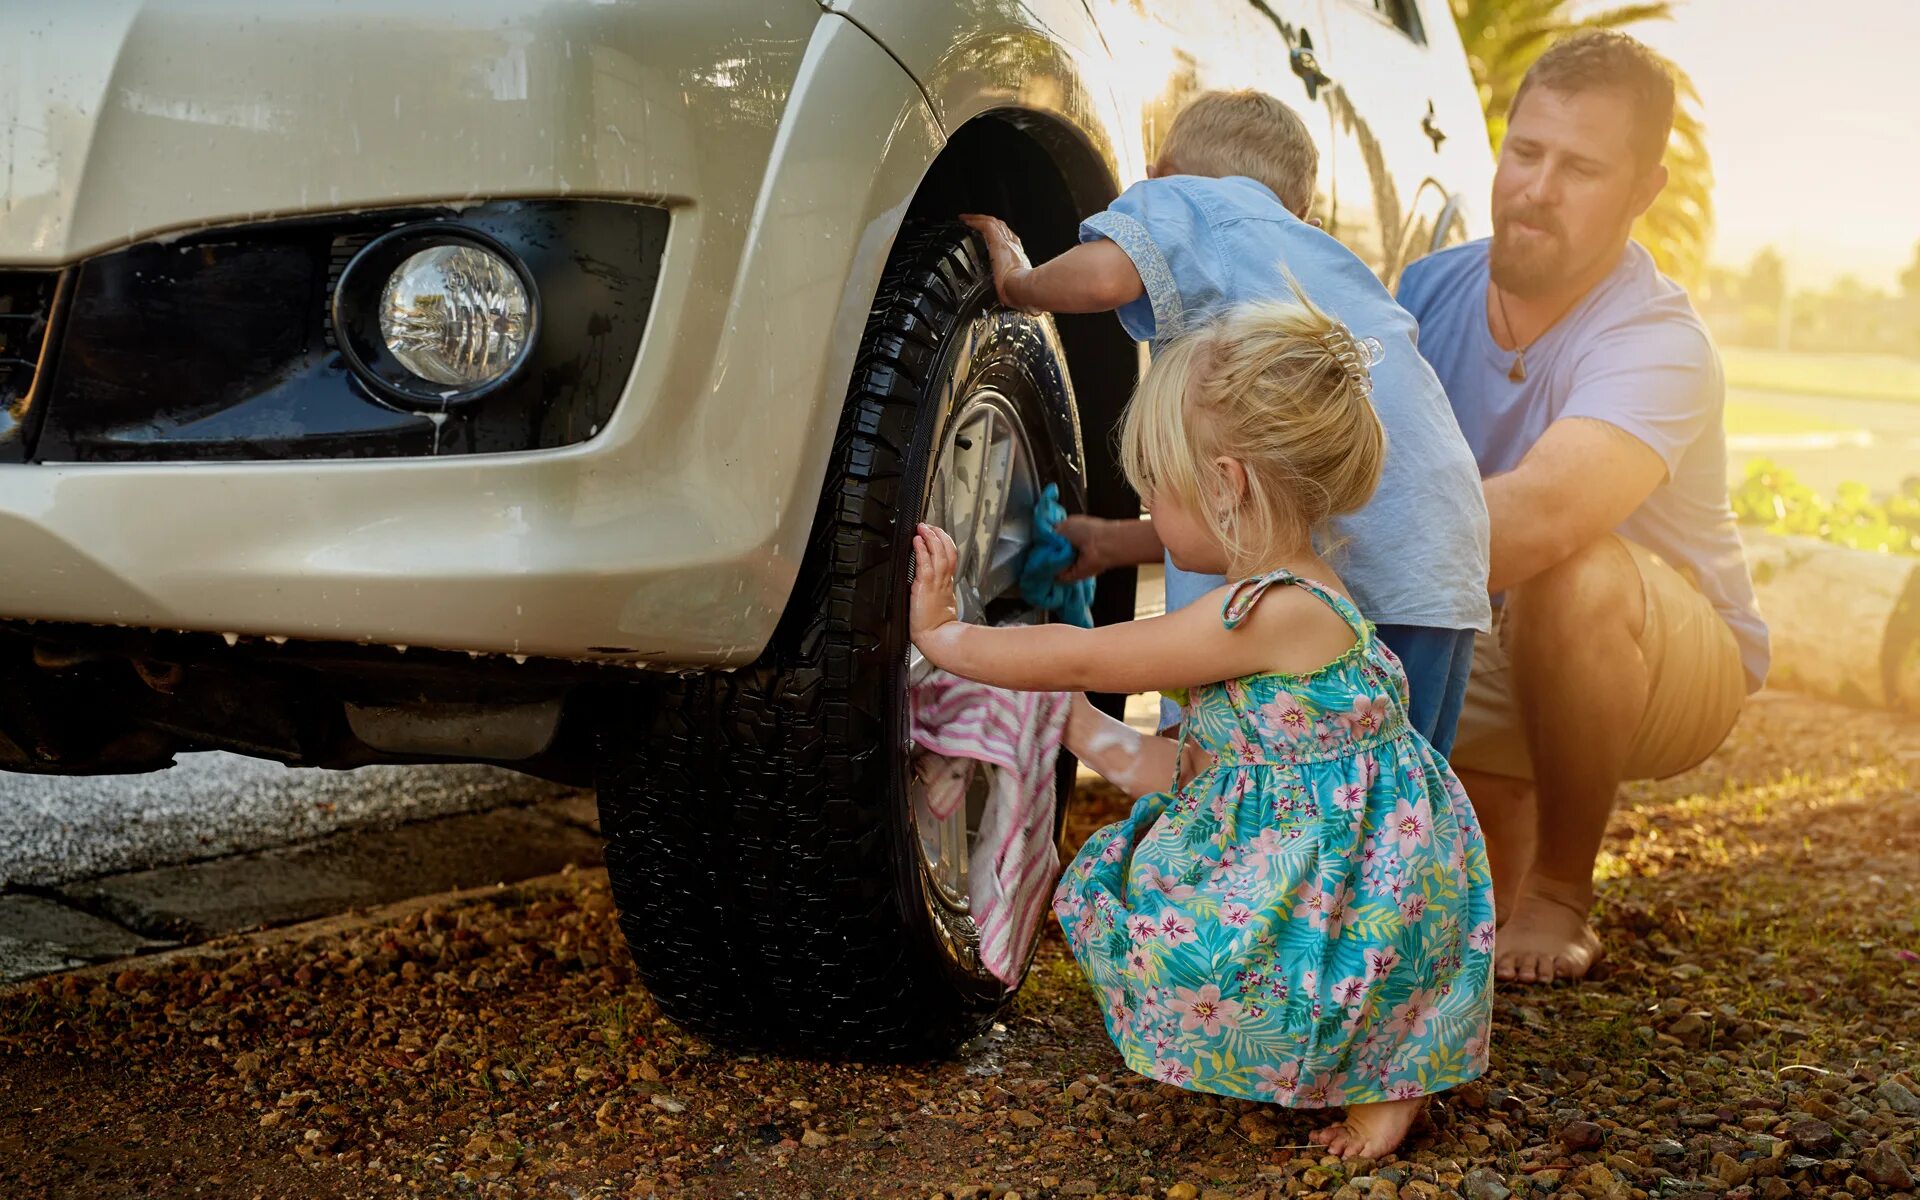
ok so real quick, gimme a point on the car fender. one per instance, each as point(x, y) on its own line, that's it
point(1043, 61)
point(816, 243)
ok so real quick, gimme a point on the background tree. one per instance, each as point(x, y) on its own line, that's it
point(1504, 37)
point(1766, 281)
point(1766, 307)
point(1910, 278)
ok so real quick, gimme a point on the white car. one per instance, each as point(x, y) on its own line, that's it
point(557, 385)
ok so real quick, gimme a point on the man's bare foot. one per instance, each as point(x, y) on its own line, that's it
point(1548, 937)
point(1370, 1130)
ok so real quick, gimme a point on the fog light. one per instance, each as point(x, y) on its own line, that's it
point(436, 314)
point(456, 315)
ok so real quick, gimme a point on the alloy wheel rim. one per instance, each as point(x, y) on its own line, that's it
point(985, 483)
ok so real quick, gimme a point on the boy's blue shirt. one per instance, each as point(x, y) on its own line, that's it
point(1416, 554)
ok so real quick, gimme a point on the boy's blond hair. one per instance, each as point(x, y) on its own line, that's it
point(1244, 133)
point(1283, 388)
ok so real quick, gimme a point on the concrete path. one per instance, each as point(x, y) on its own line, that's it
point(55, 829)
point(94, 869)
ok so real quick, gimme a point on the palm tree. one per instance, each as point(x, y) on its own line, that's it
point(1504, 37)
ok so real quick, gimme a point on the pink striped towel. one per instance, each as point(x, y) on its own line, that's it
point(1010, 874)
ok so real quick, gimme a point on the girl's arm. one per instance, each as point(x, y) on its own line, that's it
point(1092, 277)
point(1182, 649)
point(1136, 763)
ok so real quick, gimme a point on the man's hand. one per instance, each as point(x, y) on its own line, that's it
point(934, 560)
point(1004, 251)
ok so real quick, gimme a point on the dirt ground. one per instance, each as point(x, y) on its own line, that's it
point(1755, 1033)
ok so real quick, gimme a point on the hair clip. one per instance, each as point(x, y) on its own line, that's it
point(1356, 356)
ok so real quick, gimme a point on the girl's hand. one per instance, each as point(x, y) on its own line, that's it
point(1004, 251)
point(934, 561)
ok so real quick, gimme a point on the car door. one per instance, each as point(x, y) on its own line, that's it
point(1435, 220)
point(1401, 143)
point(1293, 71)
point(1165, 53)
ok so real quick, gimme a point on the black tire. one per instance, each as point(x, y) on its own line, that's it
point(760, 844)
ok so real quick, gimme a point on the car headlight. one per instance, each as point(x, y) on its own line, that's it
point(435, 314)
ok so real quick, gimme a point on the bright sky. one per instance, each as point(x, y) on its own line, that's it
point(1810, 112)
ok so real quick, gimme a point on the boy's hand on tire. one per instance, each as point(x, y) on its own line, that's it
point(935, 558)
point(1004, 251)
point(1091, 545)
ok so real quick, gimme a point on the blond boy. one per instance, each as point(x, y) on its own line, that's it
point(1221, 220)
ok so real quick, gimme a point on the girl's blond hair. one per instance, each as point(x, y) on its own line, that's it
point(1285, 389)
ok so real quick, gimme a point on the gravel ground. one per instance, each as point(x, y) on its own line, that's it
point(54, 829)
point(1756, 1033)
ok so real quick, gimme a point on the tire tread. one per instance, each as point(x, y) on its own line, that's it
point(747, 845)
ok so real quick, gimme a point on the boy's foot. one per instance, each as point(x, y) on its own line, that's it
point(1548, 937)
point(1370, 1130)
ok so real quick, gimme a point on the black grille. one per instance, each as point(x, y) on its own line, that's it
point(345, 246)
point(26, 306)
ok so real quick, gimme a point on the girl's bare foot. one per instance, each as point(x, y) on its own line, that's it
point(1370, 1130)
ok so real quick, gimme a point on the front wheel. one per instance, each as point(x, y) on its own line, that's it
point(782, 881)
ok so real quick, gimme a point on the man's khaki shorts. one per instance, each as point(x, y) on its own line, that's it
point(1696, 688)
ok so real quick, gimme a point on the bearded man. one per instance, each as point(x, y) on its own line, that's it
point(1626, 635)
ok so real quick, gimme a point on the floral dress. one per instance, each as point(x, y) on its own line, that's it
point(1308, 921)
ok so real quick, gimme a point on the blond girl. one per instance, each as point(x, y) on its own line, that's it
point(1297, 909)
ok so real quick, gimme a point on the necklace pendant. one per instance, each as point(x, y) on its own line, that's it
point(1518, 372)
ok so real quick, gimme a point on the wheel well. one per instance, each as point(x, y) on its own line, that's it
point(1042, 179)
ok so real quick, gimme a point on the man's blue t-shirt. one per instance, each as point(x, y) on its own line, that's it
point(1416, 554)
point(1631, 353)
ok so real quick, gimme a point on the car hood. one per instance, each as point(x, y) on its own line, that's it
point(122, 119)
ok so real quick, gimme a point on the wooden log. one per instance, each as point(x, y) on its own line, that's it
point(1845, 623)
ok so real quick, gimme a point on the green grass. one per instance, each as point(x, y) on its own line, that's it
point(1855, 376)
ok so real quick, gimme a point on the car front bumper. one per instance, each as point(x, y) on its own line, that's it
point(670, 538)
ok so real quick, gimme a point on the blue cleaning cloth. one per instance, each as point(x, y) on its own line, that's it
point(1048, 555)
